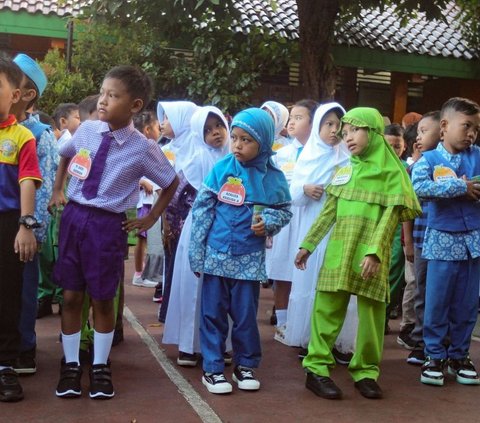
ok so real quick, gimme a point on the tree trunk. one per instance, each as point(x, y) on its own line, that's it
point(317, 23)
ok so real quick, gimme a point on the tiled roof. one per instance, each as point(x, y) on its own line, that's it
point(374, 29)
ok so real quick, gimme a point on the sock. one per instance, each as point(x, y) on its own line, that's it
point(138, 274)
point(281, 317)
point(102, 344)
point(71, 345)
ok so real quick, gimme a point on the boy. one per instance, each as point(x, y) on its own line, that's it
point(108, 158)
point(428, 137)
point(19, 176)
point(34, 82)
point(67, 119)
point(452, 243)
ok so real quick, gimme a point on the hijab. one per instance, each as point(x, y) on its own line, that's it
point(264, 183)
point(316, 162)
point(206, 156)
point(179, 114)
point(279, 113)
point(378, 176)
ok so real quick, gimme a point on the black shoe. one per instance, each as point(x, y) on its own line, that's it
point(101, 386)
point(158, 295)
point(395, 313)
point(406, 341)
point(187, 360)
point(273, 317)
point(227, 358)
point(417, 355)
point(342, 358)
point(464, 370)
point(69, 385)
point(117, 337)
point(302, 353)
point(432, 371)
point(10, 388)
point(44, 308)
point(25, 365)
point(369, 388)
point(323, 386)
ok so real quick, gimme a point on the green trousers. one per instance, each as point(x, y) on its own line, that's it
point(396, 276)
point(329, 312)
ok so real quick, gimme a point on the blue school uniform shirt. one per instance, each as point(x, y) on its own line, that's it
point(443, 245)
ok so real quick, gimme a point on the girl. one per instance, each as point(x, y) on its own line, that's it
point(366, 199)
point(279, 114)
point(280, 257)
point(209, 126)
point(175, 117)
point(244, 199)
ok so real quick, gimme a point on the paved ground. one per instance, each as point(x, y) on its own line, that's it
point(151, 388)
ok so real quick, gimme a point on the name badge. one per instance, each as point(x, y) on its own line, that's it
point(232, 192)
point(80, 165)
point(170, 155)
point(343, 175)
point(288, 168)
point(442, 173)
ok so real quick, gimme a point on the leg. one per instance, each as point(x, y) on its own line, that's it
point(397, 271)
point(408, 312)
point(281, 295)
point(420, 287)
point(167, 282)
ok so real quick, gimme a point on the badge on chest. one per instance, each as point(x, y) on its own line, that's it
point(343, 175)
point(81, 164)
point(441, 173)
point(232, 192)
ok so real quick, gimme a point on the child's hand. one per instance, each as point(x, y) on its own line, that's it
point(197, 274)
point(142, 224)
point(313, 191)
point(259, 227)
point(25, 244)
point(301, 259)
point(473, 189)
point(58, 199)
point(409, 252)
point(370, 265)
point(147, 187)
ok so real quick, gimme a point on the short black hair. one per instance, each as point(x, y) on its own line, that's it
point(143, 119)
point(394, 129)
point(310, 105)
point(87, 106)
point(136, 81)
point(11, 71)
point(462, 105)
point(434, 115)
point(63, 110)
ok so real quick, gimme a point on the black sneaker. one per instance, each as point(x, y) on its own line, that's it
point(101, 386)
point(406, 341)
point(158, 295)
point(69, 385)
point(227, 358)
point(342, 358)
point(416, 356)
point(216, 383)
point(245, 379)
point(10, 388)
point(464, 370)
point(432, 372)
point(273, 317)
point(186, 359)
point(25, 365)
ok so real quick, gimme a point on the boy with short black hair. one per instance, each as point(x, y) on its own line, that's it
point(449, 174)
point(67, 118)
point(19, 176)
point(106, 160)
point(87, 108)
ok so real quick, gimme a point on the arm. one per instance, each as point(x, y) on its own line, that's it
point(25, 242)
point(58, 197)
point(271, 221)
point(384, 232)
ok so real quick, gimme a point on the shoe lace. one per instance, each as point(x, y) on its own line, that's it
point(218, 378)
point(246, 373)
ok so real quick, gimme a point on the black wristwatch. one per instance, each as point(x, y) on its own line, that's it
point(29, 222)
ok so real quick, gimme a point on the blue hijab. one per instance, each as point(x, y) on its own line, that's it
point(264, 183)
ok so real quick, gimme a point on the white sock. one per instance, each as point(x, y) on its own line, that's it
point(138, 274)
point(281, 317)
point(102, 344)
point(71, 346)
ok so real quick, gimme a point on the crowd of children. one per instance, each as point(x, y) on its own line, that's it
point(353, 221)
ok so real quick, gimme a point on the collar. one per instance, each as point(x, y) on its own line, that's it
point(120, 135)
point(297, 144)
point(11, 120)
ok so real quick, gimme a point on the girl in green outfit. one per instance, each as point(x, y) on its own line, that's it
point(365, 201)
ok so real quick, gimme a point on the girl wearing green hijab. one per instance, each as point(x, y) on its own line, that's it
point(365, 202)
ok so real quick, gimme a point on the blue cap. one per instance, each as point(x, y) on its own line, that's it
point(33, 71)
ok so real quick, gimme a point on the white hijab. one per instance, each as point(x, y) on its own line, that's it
point(318, 160)
point(179, 114)
point(202, 162)
point(279, 113)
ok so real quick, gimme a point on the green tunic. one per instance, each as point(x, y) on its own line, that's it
point(353, 237)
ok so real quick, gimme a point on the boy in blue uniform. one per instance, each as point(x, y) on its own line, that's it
point(106, 159)
point(452, 243)
point(19, 176)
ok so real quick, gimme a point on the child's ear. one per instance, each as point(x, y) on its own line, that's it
point(443, 125)
point(28, 95)
point(16, 94)
point(137, 105)
point(63, 123)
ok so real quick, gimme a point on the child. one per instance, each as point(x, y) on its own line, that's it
point(279, 114)
point(244, 199)
point(67, 120)
point(100, 190)
point(209, 126)
point(365, 201)
point(87, 108)
point(428, 137)
point(451, 245)
point(34, 82)
point(20, 175)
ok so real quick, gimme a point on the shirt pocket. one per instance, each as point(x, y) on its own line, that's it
point(333, 254)
point(358, 256)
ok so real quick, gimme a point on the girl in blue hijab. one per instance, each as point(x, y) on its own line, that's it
point(244, 199)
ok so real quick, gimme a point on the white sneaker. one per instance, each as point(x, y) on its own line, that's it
point(216, 383)
point(245, 379)
point(138, 281)
point(280, 333)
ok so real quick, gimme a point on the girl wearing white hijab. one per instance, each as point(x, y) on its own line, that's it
point(315, 167)
point(279, 114)
point(211, 136)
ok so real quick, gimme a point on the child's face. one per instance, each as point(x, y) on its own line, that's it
point(356, 138)
point(116, 105)
point(166, 128)
point(71, 122)
point(397, 143)
point(214, 132)
point(299, 125)
point(152, 131)
point(459, 131)
point(428, 134)
point(244, 146)
point(328, 129)
point(8, 96)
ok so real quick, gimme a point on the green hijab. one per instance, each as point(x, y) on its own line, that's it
point(378, 176)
